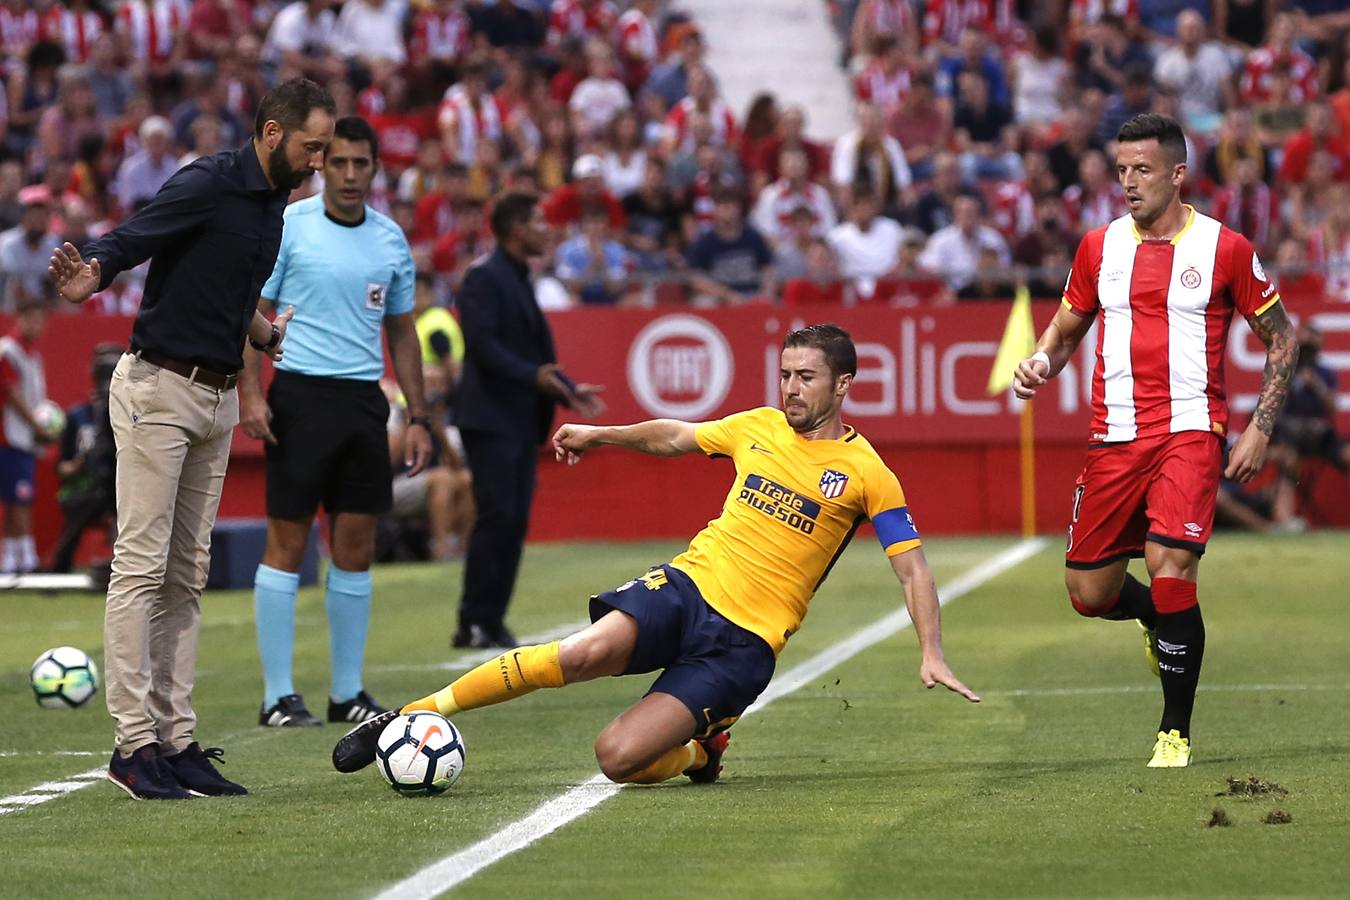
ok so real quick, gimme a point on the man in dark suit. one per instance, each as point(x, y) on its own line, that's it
point(504, 409)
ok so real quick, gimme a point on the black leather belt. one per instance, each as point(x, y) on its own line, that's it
point(218, 380)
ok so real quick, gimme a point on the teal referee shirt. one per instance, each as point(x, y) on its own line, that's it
point(342, 279)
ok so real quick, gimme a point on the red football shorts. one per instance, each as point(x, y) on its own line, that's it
point(1160, 489)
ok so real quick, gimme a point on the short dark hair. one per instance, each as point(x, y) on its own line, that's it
point(290, 103)
point(356, 129)
point(509, 210)
point(1155, 126)
point(831, 340)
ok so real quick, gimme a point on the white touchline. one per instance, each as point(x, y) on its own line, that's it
point(453, 870)
point(50, 790)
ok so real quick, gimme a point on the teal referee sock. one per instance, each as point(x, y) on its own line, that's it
point(348, 605)
point(274, 614)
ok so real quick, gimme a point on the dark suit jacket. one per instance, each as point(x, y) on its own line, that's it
point(506, 340)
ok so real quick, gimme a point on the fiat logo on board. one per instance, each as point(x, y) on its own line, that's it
point(680, 367)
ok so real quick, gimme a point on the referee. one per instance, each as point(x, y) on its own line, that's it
point(347, 271)
point(211, 234)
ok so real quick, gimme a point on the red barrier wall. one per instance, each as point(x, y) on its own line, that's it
point(919, 398)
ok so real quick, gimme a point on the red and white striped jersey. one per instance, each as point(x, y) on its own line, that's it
point(576, 18)
point(1258, 76)
point(719, 115)
point(440, 36)
point(638, 49)
point(75, 31)
point(772, 215)
point(151, 28)
point(1163, 310)
point(1012, 210)
point(1086, 211)
point(885, 89)
point(943, 20)
point(467, 125)
point(891, 17)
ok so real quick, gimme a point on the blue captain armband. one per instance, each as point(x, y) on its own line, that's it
point(894, 526)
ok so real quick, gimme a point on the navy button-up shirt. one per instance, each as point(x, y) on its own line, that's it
point(211, 234)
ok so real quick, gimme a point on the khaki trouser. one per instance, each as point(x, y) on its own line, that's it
point(173, 443)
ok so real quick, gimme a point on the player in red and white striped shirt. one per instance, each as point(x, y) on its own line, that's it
point(1161, 284)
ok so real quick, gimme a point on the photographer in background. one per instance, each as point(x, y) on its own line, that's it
point(87, 464)
point(1306, 429)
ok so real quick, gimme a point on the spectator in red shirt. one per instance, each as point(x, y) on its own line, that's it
point(1246, 204)
point(761, 123)
point(563, 207)
point(1322, 132)
point(1279, 55)
point(455, 249)
point(572, 70)
point(214, 26)
point(820, 285)
point(790, 134)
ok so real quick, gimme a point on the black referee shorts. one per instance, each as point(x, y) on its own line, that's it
point(332, 447)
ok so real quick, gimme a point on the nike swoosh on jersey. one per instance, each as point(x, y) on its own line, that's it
point(755, 446)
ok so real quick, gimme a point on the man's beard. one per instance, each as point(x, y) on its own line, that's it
point(279, 169)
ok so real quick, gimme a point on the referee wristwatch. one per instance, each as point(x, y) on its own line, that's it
point(424, 421)
point(272, 342)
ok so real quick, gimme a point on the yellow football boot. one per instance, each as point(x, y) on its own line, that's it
point(1172, 751)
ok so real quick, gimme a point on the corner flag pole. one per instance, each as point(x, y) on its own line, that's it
point(1019, 342)
point(1028, 440)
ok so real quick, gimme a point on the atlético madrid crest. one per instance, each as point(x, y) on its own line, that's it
point(832, 483)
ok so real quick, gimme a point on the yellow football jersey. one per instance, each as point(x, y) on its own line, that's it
point(792, 510)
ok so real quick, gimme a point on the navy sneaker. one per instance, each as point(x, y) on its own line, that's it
point(356, 749)
point(192, 767)
point(288, 712)
point(145, 776)
point(359, 709)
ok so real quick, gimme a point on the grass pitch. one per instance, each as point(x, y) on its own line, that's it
point(862, 784)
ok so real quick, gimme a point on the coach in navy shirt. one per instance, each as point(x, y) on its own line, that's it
point(212, 234)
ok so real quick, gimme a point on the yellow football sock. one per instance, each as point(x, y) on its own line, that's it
point(513, 674)
point(675, 761)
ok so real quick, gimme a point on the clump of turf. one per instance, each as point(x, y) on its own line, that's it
point(1277, 817)
point(1219, 819)
point(1251, 786)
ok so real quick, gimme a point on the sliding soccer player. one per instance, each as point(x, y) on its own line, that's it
point(715, 618)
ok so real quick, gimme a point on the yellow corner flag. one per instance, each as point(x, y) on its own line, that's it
point(1019, 342)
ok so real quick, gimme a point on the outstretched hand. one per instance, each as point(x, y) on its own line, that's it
point(570, 441)
point(75, 279)
point(935, 672)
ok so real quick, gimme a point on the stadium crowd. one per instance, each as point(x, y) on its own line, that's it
point(981, 149)
point(980, 152)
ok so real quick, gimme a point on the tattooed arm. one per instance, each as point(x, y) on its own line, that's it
point(1277, 333)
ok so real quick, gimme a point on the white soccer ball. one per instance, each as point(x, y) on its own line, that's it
point(420, 753)
point(50, 416)
point(64, 678)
